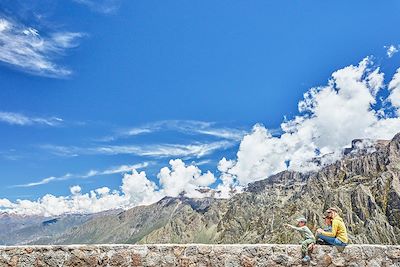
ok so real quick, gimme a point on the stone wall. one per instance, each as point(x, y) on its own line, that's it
point(196, 255)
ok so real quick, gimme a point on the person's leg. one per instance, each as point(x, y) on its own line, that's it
point(304, 245)
point(311, 248)
point(339, 243)
point(332, 241)
point(304, 249)
point(329, 240)
point(308, 243)
point(322, 242)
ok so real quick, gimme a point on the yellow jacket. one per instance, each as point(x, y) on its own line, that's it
point(338, 230)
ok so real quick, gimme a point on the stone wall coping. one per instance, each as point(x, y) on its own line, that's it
point(189, 245)
point(201, 255)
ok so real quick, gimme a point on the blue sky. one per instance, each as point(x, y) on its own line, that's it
point(91, 88)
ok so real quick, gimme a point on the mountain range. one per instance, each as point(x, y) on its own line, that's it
point(364, 184)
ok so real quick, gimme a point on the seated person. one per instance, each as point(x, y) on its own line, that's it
point(307, 235)
point(338, 235)
point(327, 228)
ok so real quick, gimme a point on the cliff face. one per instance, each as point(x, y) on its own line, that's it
point(196, 255)
point(364, 185)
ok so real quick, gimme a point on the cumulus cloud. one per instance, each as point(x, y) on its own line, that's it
point(228, 185)
point(136, 189)
point(23, 120)
point(330, 118)
point(394, 87)
point(27, 49)
point(391, 50)
point(355, 103)
point(180, 178)
point(139, 189)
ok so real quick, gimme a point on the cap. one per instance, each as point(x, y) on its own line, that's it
point(301, 219)
point(332, 209)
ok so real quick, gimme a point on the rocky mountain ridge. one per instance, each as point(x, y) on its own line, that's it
point(365, 186)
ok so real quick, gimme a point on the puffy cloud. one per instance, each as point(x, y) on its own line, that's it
point(136, 189)
point(25, 48)
point(394, 87)
point(5, 203)
point(49, 205)
point(102, 190)
point(391, 50)
point(76, 189)
point(181, 178)
point(228, 182)
point(330, 118)
point(139, 189)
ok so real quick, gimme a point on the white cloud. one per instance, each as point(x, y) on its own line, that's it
point(76, 189)
point(91, 173)
point(137, 131)
point(230, 134)
point(391, 50)
point(62, 150)
point(22, 120)
point(158, 150)
point(180, 178)
point(114, 170)
point(201, 127)
point(136, 189)
point(394, 87)
point(190, 127)
point(101, 6)
point(228, 182)
point(10, 154)
point(5, 203)
point(25, 48)
point(102, 191)
point(139, 189)
point(176, 150)
point(330, 118)
point(41, 182)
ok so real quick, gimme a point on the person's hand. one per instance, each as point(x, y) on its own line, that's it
point(319, 230)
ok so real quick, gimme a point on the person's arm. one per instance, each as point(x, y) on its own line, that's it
point(333, 232)
point(294, 227)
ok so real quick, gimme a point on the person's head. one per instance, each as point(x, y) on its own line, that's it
point(328, 220)
point(301, 221)
point(332, 212)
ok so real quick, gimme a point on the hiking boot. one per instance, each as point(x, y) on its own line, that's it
point(340, 249)
point(306, 259)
